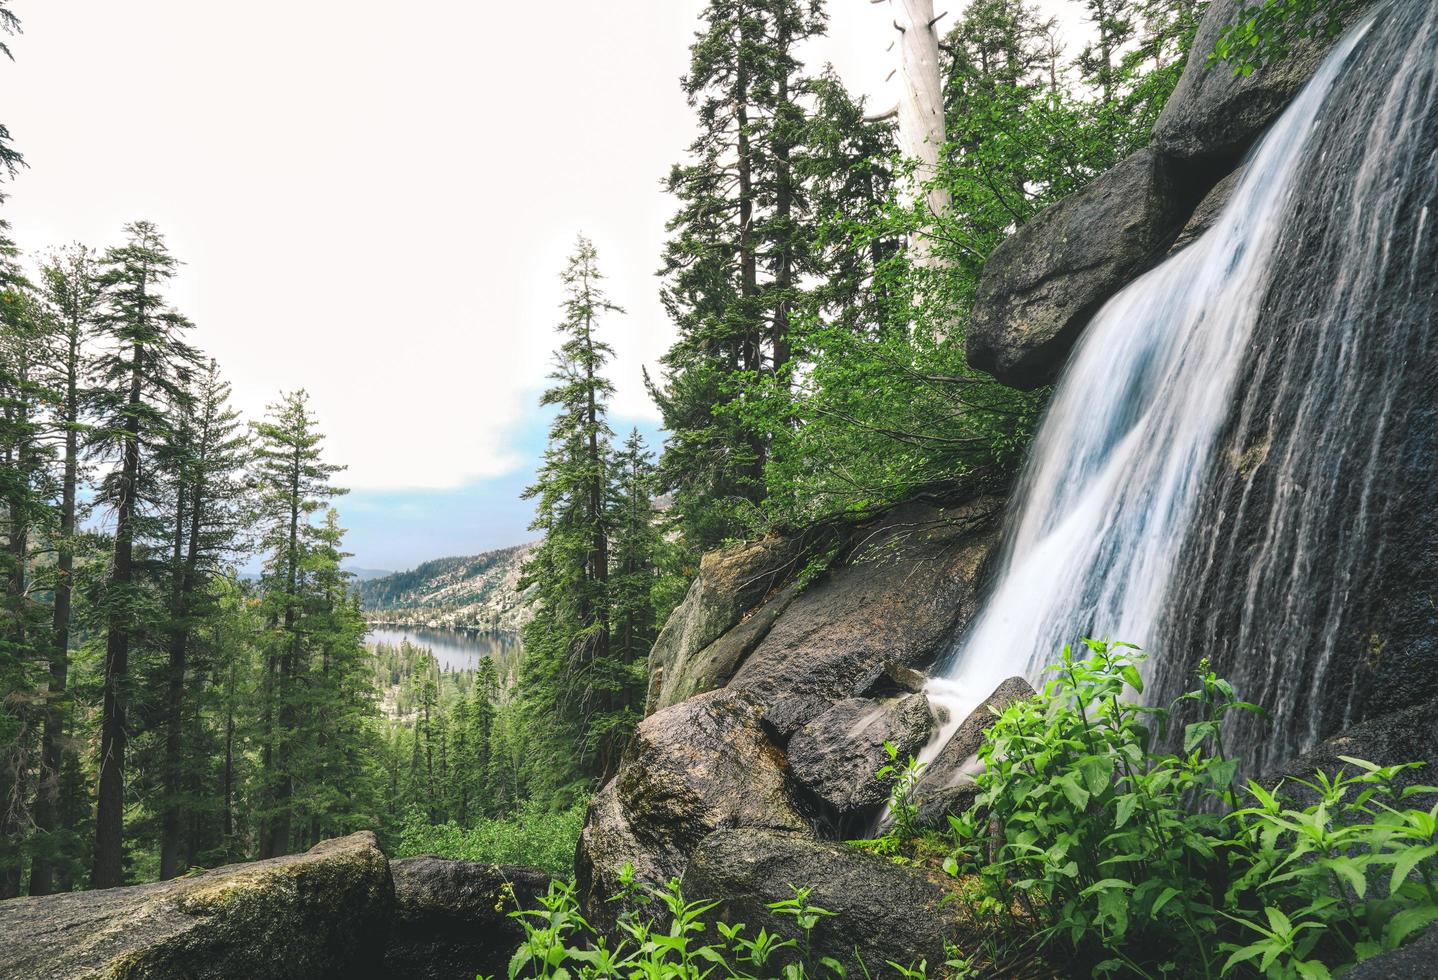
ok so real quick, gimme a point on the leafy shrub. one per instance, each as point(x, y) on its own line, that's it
point(532, 836)
point(1130, 861)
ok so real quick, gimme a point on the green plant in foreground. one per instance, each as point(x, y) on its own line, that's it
point(560, 944)
point(902, 809)
point(1125, 860)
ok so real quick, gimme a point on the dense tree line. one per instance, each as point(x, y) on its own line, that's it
point(161, 713)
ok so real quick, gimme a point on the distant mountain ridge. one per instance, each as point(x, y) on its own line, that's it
point(467, 591)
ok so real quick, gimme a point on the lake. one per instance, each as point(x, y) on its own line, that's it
point(455, 649)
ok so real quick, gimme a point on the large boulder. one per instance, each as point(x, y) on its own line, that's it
point(321, 914)
point(697, 767)
point(909, 582)
point(837, 755)
point(699, 648)
point(1214, 114)
point(1046, 280)
point(451, 918)
point(608, 844)
point(956, 761)
point(883, 912)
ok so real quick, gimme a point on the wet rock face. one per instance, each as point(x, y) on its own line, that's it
point(884, 912)
point(910, 585)
point(837, 755)
point(451, 918)
point(956, 759)
point(1410, 735)
point(698, 648)
point(1214, 115)
point(1044, 282)
point(1306, 578)
point(321, 914)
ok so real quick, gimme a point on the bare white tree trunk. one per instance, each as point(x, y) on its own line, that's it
point(921, 92)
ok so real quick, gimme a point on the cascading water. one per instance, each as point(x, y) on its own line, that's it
point(1123, 519)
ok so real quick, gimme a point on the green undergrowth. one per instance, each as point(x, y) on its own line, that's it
point(664, 936)
point(533, 836)
point(1091, 850)
point(1096, 852)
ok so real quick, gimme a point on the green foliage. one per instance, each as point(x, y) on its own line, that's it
point(1266, 32)
point(532, 835)
point(903, 777)
point(677, 944)
point(1133, 861)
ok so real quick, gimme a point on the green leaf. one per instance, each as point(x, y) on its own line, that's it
point(1163, 899)
point(1405, 862)
point(1407, 922)
point(1097, 773)
point(1126, 805)
point(1196, 733)
point(1075, 793)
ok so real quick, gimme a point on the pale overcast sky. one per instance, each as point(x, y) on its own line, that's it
point(373, 201)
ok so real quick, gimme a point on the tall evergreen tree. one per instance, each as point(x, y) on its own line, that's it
point(567, 644)
point(637, 544)
point(72, 291)
point(294, 484)
point(141, 373)
point(24, 495)
point(739, 249)
point(206, 455)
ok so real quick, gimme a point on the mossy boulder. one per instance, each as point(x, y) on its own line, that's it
point(324, 913)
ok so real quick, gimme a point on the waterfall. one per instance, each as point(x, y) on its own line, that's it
point(1127, 515)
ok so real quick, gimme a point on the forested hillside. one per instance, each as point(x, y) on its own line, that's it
point(476, 591)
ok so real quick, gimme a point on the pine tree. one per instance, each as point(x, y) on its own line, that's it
point(740, 246)
point(24, 495)
point(637, 543)
point(205, 455)
point(335, 735)
point(72, 291)
point(567, 644)
point(141, 374)
point(294, 484)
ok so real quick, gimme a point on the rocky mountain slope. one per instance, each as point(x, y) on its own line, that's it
point(471, 591)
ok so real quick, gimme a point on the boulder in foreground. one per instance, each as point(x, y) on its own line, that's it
point(321, 914)
point(882, 912)
point(451, 918)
